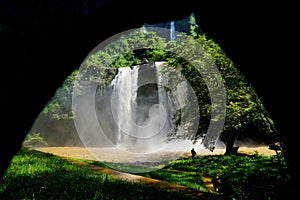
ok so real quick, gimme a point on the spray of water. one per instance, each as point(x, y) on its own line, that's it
point(136, 110)
point(135, 115)
point(132, 118)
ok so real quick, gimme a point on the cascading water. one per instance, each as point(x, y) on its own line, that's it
point(172, 31)
point(140, 118)
point(134, 116)
point(137, 110)
point(124, 103)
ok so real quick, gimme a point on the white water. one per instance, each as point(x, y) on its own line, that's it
point(142, 122)
point(124, 103)
point(133, 116)
point(172, 31)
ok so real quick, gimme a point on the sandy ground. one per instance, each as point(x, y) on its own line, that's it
point(115, 155)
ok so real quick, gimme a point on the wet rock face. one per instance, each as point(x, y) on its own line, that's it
point(147, 80)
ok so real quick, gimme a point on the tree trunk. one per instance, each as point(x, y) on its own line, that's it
point(229, 147)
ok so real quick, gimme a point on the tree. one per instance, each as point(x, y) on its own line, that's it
point(245, 113)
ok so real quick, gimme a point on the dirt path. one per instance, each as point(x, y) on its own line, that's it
point(191, 193)
point(83, 153)
point(109, 156)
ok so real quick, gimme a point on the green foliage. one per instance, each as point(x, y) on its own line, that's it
point(240, 177)
point(120, 53)
point(59, 107)
point(235, 176)
point(156, 55)
point(186, 178)
point(99, 68)
point(34, 139)
point(245, 113)
point(36, 175)
point(194, 28)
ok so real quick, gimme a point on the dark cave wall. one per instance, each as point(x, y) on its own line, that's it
point(43, 43)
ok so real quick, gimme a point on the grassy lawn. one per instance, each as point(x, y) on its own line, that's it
point(236, 176)
point(189, 179)
point(37, 175)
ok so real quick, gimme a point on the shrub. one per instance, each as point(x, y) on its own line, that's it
point(34, 139)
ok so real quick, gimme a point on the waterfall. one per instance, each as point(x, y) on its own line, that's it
point(172, 30)
point(124, 103)
point(136, 111)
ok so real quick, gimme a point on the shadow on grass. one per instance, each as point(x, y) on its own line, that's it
point(37, 175)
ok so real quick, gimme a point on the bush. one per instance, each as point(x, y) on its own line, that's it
point(34, 139)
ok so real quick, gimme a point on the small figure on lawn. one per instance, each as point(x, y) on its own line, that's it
point(193, 152)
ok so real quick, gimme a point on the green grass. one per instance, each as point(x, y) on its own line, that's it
point(186, 178)
point(37, 175)
point(235, 176)
point(189, 179)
